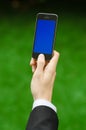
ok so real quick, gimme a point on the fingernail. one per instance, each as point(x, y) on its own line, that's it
point(41, 56)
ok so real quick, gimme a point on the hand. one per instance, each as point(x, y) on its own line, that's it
point(43, 76)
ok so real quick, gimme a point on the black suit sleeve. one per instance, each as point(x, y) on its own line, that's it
point(42, 118)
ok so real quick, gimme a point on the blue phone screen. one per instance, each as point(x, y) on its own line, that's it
point(44, 36)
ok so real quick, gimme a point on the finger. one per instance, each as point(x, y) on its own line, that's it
point(34, 68)
point(53, 62)
point(40, 62)
point(32, 62)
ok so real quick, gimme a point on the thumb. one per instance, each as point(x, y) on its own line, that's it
point(40, 62)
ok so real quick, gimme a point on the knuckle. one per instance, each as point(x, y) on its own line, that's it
point(51, 71)
point(37, 75)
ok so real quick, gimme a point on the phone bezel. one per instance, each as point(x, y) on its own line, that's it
point(45, 16)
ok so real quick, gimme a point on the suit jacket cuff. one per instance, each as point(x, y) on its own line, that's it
point(42, 102)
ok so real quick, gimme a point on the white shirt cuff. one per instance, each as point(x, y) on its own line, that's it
point(42, 102)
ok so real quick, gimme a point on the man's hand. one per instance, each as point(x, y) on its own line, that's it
point(43, 76)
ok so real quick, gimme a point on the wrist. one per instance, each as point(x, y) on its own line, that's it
point(47, 97)
point(44, 98)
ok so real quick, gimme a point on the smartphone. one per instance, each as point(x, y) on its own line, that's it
point(45, 32)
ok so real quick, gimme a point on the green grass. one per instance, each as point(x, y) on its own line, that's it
point(16, 41)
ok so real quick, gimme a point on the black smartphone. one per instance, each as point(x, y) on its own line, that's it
point(45, 31)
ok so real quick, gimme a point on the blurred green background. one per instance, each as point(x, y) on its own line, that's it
point(17, 25)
